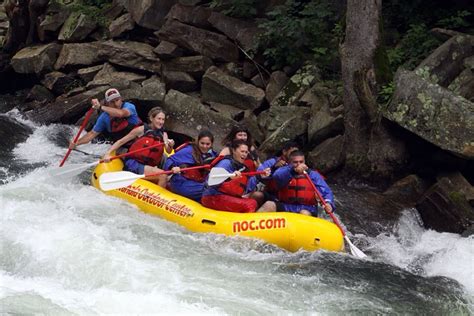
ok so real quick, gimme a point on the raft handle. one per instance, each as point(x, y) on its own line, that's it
point(209, 222)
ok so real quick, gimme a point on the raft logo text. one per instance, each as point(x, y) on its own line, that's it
point(270, 223)
point(155, 199)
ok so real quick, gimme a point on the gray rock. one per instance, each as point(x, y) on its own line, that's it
point(464, 84)
point(149, 13)
point(444, 208)
point(244, 32)
point(196, 66)
point(192, 15)
point(222, 88)
point(58, 82)
point(407, 191)
point(446, 62)
point(181, 81)
point(291, 128)
point(433, 113)
point(227, 110)
point(78, 54)
point(76, 27)
point(271, 119)
point(36, 59)
point(166, 50)
point(130, 54)
point(207, 43)
point(328, 156)
point(121, 25)
point(40, 94)
point(88, 74)
point(109, 76)
point(277, 81)
point(151, 92)
point(187, 115)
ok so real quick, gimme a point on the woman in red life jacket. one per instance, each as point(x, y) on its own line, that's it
point(191, 183)
point(147, 161)
point(230, 195)
point(241, 132)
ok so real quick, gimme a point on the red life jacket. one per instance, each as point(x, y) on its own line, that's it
point(150, 157)
point(119, 127)
point(298, 191)
point(198, 175)
point(235, 187)
point(270, 184)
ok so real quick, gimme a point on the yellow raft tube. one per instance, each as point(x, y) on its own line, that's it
point(286, 230)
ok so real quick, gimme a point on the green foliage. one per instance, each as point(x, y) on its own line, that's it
point(386, 93)
point(101, 4)
point(414, 46)
point(456, 21)
point(299, 31)
point(235, 8)
point(94, 9)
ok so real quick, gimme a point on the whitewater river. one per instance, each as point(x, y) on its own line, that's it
point(68, 249)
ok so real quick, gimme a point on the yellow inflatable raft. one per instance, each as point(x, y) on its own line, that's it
point(286, 230)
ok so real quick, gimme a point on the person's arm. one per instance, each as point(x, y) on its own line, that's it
point(169, 143)
point(282, 176)
point(225, 151)
point(134, 133)
point(114, 112)
point(84, 139)
point(324, 189)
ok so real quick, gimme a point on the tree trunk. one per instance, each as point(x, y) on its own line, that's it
point(370, 150)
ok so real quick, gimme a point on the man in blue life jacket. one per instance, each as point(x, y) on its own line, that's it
point(294, 191)
point(117, 119)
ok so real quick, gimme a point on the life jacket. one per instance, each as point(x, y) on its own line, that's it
point(235, 187)
point(298, 191)
point(151, 137)
point(119, 127)
point(270, 184)
point(198, 175)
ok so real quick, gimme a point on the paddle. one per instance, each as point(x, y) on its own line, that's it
point(219, 175)
point(83, 125)
point(119, 179)
point(75, 169)
point(354, 250)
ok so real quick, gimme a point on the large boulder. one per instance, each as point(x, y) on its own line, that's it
point(218, 86)
point(446, 62)
point(327, 156)
point(59, 82)
point(244, 32)
point(66, 110)
point(181, 81)
point(77, 27)
point(121, 25)
point(149, 13)
point(109, 76)
point(150, 92)
point(207, 43)
point(36, 59)
point(192, 15)
point(78, 54)
point(196, 66)
point(130, 54)
point(448, 206)
point(277, 81)
point(433, 113)
point(167, 50)
point(187, 115)
point(271, 119)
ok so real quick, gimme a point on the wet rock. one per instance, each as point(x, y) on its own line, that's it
point(36, 59)
point(196, 66)
point(66, 110)
point(76, 27)
point(58, 82)
point(166, 50)
point(433, 113)
point(130, 54)
point(207, 43)
point(180, 81)
point(121, 25)
point(243, 32)
point(193, 15)
point(109, 76)
point(40, 94)
point(78, 54)
point(187, 115)
point(445, 208)
point(277, 81)
point(149, 13)
point(88, 74)
point(446, 62)
point(408, 190)
point(222, 88)
point(327, 156)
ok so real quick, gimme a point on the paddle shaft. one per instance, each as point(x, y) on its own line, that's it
point(83, 125)
point(323, 202)
point(182, 169)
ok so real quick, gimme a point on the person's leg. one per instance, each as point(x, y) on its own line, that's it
point(159, 179)
point(257, 196)
point(268, 206)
